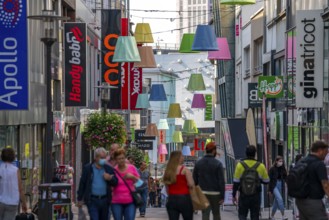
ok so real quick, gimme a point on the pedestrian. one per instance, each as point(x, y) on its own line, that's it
point(110, 159)
point(278, 175)
point(312, 207)
point(178, 180)
point(208, 173)
point(248, 176)
point(298, 157)
point(122, 205)
point(152, 191)
point(95, 186)
point(11, 189)
point(143, 189)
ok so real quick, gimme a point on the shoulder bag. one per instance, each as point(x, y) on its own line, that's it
point(137, 198)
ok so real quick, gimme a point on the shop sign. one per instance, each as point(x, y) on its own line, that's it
point(140, 135)
point(309, 63)
point(254, 100)
point(111, 71)
point(271, 86)
point(208, 113)
point(146, 145)
point(14, 89)
point(135, 75)
point(75, 70)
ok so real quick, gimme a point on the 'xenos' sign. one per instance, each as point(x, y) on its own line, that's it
point(309, 55)
point(13, 56)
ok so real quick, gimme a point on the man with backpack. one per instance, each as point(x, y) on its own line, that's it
point(308, 183)
point(248, 176)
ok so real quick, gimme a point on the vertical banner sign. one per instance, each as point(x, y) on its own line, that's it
point(291, 63)
point(309, 59)
point(14, 91)
point(75, 48)
point(136, 85)
point(208, 114)
point(111, 71)
point(124, 69)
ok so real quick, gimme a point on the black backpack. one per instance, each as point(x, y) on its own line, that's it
point(250, 181)
point(297, 180)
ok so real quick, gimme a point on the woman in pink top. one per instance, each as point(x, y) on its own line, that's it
point(122, 202)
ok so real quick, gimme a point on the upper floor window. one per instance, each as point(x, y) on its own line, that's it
point(258, 56)
point(247, 60)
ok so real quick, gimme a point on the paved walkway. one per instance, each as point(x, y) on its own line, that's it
point(229, 213)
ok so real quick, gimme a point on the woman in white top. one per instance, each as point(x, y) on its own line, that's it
point(11, 190)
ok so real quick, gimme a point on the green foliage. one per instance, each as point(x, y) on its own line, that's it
point(103, 130)
point(136, 154)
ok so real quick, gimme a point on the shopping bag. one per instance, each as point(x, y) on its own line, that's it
point(24, 216)
point(199, 200)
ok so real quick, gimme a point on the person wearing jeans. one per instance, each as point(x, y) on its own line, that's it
point(278, 176)
point(143, 189)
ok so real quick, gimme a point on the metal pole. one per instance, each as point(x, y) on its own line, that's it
point(47, 150)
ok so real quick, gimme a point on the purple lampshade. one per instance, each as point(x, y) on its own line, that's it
point(162, 149)
point(223, 53)
point(198, 101)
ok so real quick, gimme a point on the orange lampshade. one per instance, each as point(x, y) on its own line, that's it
point(151, 130)
point(147, 57)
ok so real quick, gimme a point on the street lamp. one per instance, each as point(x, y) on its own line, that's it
point(105, 95)
point(49, 24)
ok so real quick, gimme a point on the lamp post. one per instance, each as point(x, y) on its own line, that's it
point(105, 95)
point(49, 24)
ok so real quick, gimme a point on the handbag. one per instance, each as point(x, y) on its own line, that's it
point(137, 198)
point(24, 216)
point(199, 200)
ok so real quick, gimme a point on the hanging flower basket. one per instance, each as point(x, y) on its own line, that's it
point(103, 130)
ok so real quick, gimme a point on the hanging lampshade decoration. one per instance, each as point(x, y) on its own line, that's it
point(143, 101)
point(147, 58)
point(177, 137)
point(174, 111)
point(186, 151)
point(151, 130)
point(198, 101)
point(126, 50)
point(205, 39)
point(196, 82)
point(157, 93)
point(143, 33)
point(238, 2)
point(223, 53)
point(163, 124)
point(189, 127)
point(186, 43)
point(162, 149)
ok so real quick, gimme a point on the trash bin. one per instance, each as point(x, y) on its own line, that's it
point(55, 201)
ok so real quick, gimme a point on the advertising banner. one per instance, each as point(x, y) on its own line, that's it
point(271, 86)
point(208, 113)
point(309, 59)
point(254, 100)
point(291, 63)
point(75, 70)
point(129, 72)
point(111, 71)
point(14, 90)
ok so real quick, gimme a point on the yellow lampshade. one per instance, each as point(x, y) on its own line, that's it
point(238, 2)
point(189, 127)
point(174, 111)
point(143, 33)
point(147, 57)
point(177, 137)
point(151, 130)
point(196, 82)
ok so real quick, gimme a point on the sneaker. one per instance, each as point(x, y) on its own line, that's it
point(284, 217)
point(142, 215)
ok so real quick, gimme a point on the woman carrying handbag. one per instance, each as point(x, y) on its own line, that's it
point(178, 180)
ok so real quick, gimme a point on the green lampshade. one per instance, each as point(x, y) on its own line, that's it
point(196, 82)
point(174, 111)
point(186, 43)
point(177, 137)
point(238, 2)
point(143, 101)
point(163, 124)
point(189, 127)
point(126, 50)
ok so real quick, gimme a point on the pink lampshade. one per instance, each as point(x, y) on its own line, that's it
point(223, 53)
point(198, 101)
point(162, 149)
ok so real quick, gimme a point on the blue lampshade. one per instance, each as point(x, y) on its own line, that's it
point(143, 101)
point(205, 39)
point(126, 50)
point(163, 124)
point(186, 151)
point(157, 93)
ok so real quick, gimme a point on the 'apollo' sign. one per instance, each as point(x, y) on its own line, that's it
point(14, 91)
point(309, 55)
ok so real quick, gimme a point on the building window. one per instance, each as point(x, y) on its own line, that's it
point(247, 60)
point(258, 56)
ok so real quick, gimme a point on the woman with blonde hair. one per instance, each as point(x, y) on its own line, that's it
point(178, 180)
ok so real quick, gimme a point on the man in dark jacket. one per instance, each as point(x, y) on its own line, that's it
point(95, 186)
point(209, 175)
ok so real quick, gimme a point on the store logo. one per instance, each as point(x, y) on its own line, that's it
point(271, 88)
point(10, 12)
